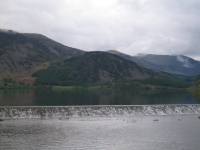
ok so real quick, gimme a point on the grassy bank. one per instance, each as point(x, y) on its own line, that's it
point(147, 84)
point(64, 87)
point(120, 85)
point(11, 84)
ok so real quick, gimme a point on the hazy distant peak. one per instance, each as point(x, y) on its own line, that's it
point(8, 31)
point(142, 54)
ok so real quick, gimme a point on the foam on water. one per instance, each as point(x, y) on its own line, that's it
point(81, 111)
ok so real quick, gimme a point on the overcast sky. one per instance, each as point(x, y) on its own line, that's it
point(129, 26)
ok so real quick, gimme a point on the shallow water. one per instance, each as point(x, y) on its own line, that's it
point(180, 132)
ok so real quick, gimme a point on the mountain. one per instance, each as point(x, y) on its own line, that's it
point(99, 67)
point(22, 51)
point(93, 67)
point(173, 64)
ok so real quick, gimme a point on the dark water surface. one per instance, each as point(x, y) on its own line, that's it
point(94, 97)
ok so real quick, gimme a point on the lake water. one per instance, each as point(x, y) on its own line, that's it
point(94, 97)
point(160, 132)
point(99, 119)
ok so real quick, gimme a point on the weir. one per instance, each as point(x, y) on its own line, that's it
point(84, 111)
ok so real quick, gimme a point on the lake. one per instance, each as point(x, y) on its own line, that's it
point(42, 97)
point(99, 119)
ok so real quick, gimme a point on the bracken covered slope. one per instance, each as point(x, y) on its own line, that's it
point(22, 51)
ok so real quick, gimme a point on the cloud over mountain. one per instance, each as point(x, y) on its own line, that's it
point(131, 26)
point(185, 62)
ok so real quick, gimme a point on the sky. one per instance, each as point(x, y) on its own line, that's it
point(166, 27)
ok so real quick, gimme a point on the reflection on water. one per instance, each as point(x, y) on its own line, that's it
point(196, 93)
point(17, 97)
point(94, 97)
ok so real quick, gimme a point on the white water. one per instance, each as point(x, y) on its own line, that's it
point(80, 111)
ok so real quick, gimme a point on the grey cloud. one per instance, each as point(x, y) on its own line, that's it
point(130, 26)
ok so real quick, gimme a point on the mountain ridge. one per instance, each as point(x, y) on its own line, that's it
point(173, 64)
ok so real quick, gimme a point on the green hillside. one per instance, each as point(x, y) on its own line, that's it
point(102, 67)
point(196, 84)
point(190, 79)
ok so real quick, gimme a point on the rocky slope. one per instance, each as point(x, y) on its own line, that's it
point(22, 51)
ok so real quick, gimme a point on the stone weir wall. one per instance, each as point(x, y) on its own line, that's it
point(84, 111)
